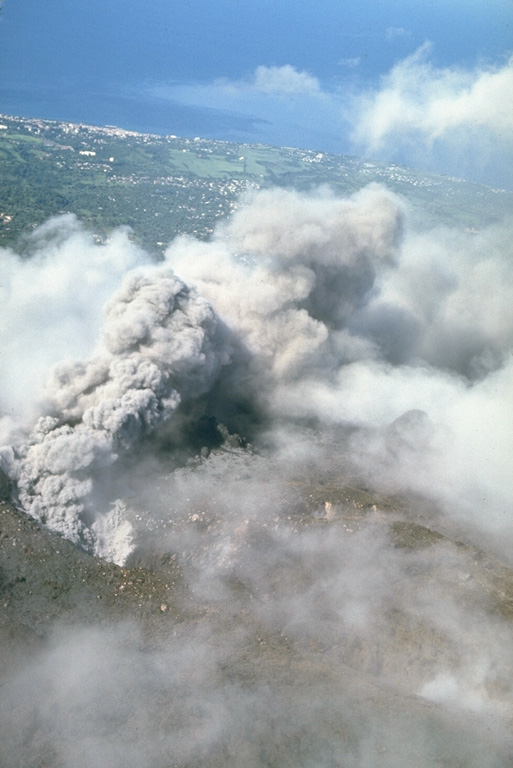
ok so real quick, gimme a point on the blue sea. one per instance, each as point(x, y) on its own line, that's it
point(143, 114)
point(97, 63)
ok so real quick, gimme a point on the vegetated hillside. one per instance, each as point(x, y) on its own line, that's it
point(161, 186)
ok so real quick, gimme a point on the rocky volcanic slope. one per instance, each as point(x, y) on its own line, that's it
point(46, 582)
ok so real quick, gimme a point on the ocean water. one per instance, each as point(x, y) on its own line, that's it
point(136, 113)
point(98, 65)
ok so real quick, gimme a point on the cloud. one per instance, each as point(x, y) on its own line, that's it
point(351, 63)
point(278, 81)
point(51, 302)
point(422, 111)
point(392, 33)
point(285, 80)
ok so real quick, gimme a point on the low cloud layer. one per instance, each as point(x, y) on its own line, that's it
point(392, 33)
point(423, 115)
point(285, 79)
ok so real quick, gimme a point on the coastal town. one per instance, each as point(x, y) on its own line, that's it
point(164, 186)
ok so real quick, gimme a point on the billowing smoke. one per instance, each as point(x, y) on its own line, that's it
point(160, 346)
point(300, 308)
point(348, 322)
point(286, 303)
point(290, 287)
point(307, 417)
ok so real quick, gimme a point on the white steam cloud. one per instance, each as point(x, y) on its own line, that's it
point(285, 79)
point(52, 299)
point(422, 113)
